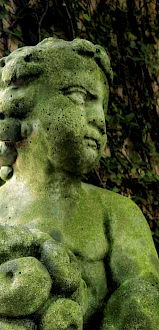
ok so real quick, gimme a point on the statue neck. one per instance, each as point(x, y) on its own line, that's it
point(51, 182)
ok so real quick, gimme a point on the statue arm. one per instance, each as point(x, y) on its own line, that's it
point(133, 271)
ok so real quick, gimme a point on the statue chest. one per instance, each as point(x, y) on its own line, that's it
point(77, 221)
point(81, 231)
point(79, 225)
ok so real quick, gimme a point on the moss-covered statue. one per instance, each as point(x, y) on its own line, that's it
point(72, 256)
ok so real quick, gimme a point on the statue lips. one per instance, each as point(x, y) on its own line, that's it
point(96, 132)
point(92, 142)
point(93, 138)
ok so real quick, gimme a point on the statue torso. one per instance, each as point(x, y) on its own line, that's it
point(78, 223)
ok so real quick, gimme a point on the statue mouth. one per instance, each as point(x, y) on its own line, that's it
point(92, 142)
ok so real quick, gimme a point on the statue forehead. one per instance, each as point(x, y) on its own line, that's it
point(57, 54)
point(67, 67)
point(58, 64)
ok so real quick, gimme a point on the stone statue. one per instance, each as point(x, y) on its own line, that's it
point(72, 256)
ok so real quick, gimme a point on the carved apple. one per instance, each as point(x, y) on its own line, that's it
point(63, 314)
point(62, 266)
point(25, 285)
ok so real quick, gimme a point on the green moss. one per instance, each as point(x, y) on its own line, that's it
point(101, 255)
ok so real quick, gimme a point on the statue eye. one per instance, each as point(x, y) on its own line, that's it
point(76, 94)
point(78, 97)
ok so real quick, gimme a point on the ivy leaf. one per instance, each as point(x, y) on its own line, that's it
point(108, 117)
point(132, 44)
point(157, 232)
point(133, 170)
point(82, 6)
point(3, 13)
point(15, 32)
point(129, 117)
point(86, 17)
point(115, 189)
point(149, 174)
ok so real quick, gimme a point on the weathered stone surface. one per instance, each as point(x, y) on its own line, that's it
point(62, 266)
point(10, 131)
point(133, 301)
point(81, 297)
point(64, 314)
point(15, 242)
point(17, 325)
point(96, 265)
point(20, 280)
point(8, 153)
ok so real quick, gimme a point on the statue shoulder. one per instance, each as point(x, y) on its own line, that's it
point(125, 221)
point(120, 211)
point(111, 201)
point(115, 203)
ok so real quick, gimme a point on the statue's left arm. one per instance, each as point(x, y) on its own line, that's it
point(132, 270)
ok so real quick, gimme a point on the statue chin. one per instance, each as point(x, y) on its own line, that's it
point(84, 168)
point(79, 166)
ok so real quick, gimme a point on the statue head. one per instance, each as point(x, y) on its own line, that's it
point(53, 100)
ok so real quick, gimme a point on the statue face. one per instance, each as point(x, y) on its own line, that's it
point(55, 99)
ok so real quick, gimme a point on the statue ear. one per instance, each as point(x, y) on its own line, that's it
point(6, 172)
